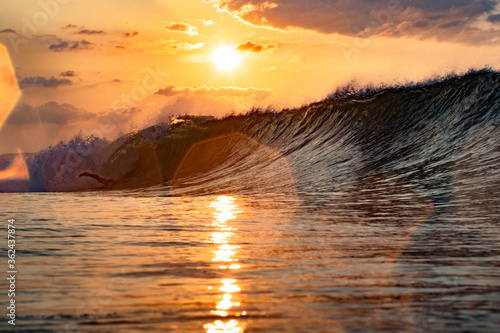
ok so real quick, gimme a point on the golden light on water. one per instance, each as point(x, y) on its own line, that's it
point(225, 253)
point(229, 286)
point(218, 326)
point(226, 303)
point(225, 210)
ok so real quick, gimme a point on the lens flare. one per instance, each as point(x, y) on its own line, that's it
point(16, 171)
point(9, 90)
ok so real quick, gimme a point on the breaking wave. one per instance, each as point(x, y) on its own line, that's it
point(433, 137)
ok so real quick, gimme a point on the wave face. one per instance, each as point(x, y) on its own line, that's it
point(440, 139)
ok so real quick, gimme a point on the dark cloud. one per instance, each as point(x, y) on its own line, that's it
point(49, 113)
point(8, 30)
point(72, 46)
point(444, 19)
point(171, 90)
point(257, 93)
point(182, 27)
point(40, 81)
point(91, 32)
point(120, 47)
point(131, 34)
point(69, 26)
point(250, 46)
point(494, 18)
point(121, 114)
point(68, 74)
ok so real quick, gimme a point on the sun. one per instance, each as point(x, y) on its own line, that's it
point(226, 58)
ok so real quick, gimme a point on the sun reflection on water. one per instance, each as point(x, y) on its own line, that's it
point(232, 326)
point(226, 252)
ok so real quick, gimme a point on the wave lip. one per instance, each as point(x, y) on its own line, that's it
point(414, 134)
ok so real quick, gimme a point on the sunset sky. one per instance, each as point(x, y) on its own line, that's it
point(107, 67)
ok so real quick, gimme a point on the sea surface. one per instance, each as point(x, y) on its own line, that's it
point(373, 211)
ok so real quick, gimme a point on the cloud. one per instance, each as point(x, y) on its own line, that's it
point(171, 90)
point(182, 28)
point(68, 74)
point(105, 82)
point(91, 32)
point(492, 18)
point(131, 34)
point(120, 115)
point(49, 113)
point(443, 20)
point(268, 69)
point(8, 30)
point(207, 22)
point(120, 47)
point(40, 81)
point(72, 46)
point(250, 46)
point(173, 47)
point(233, 92)
point(69, 26)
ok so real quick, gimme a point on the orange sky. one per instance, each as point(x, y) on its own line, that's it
point(83, 65)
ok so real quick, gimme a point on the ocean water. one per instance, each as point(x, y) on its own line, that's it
point(135, 262)
point(373, 212)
